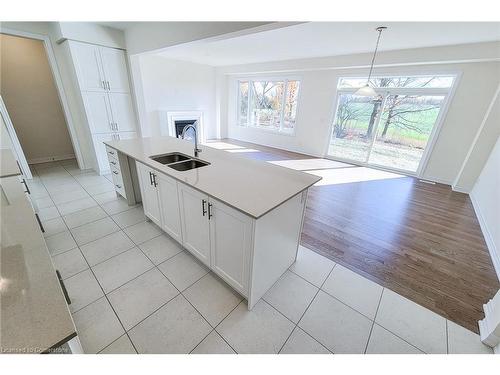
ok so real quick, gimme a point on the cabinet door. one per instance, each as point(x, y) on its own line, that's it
point(231, 243)
point(150, 202)
point(100, 151)
point(194, 223)
point(122, 111)
point(98, 112)
point(88, 66)
point(115, 69)
point(169, 203)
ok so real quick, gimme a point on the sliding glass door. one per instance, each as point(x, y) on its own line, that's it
point(392, 130)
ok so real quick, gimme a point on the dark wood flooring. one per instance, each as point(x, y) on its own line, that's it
point(420, 240)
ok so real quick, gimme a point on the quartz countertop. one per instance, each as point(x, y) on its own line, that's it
point(33, 311)
point(8, 164)
point(252, 186)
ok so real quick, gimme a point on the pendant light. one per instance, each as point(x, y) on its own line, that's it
point(367, 90)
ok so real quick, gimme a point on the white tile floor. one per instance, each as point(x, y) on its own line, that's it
point(135, 290)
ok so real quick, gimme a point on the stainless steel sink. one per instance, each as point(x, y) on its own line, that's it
point(169, 158)
point(188, 164)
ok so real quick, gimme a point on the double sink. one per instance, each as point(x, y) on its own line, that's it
point(179, 162)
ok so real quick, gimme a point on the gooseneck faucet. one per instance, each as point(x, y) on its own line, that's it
point(196, 149)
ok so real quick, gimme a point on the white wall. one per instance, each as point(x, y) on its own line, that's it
point(476, 86)
point(170, 85)
point(89, 33)
point(486, 199)
point(481, 147)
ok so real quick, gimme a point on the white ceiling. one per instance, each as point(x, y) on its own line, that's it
point(315, 39)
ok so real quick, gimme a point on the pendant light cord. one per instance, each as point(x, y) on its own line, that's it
point(379, 29)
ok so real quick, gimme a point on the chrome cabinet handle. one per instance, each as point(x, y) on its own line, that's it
point(118, 186)
point(109, 87)
point(113, 162)
point(150, 178)
point(203, 207)
point(63, 287)
point(115, 172)
point(103, 84)
point(26, 186)
point(111, 152)
point(39, 223)
point(154, 180)
point(210, 211)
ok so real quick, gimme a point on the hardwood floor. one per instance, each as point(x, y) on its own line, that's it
point(420, 240)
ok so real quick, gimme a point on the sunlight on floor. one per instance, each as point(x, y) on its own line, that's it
point(243, 150)
point(223, 145)
point(350, 175)
point(311, 164)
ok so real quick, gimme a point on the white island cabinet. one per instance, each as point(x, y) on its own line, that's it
point(241, 218)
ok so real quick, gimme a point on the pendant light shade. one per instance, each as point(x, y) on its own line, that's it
point(367, 90)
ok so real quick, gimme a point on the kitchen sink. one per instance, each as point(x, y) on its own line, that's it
point(188, 164)
point(172, 157)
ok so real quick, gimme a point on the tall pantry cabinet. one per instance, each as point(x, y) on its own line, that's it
point(102, 77)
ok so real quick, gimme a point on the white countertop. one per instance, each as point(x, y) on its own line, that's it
point(252, 186)
point(33, 311)
point(8, 164)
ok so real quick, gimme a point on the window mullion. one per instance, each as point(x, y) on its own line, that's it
point(282, 114)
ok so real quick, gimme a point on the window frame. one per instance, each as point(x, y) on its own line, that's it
point(448, 94)
point(285, 80)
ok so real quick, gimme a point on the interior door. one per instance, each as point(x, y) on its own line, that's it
point(98, 111)
point(194, 222)
point(149, 194)
point(88, 65)
point(231, 240)
point(122, 111)
point(169, 202)
point(115, 69)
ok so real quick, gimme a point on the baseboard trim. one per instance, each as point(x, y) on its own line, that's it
point(494, 254)
point(51, 158)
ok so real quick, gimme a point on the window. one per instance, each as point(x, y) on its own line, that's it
point(392, 130)
point(269, 104)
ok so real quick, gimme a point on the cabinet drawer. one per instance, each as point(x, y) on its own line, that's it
point(113, 163)
point(112, 152)
point(117, 176)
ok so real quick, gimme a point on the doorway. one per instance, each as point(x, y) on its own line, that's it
point(393, 130)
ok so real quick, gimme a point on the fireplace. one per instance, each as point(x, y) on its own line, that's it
point(181, 124)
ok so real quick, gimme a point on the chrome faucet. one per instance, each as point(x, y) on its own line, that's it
point(196, 149)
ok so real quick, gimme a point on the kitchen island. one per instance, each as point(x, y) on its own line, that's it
point(242, 218)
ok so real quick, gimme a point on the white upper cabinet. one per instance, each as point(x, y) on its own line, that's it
point(98, 111)
point(231, 243)
point(122, 111)
point(88, 65)
point(150, 201)
point(169, 203)
point(114, 66)
point(100, 68)
point(194, 220)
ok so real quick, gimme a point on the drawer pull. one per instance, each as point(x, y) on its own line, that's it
point(118, 186)
point(210, 211)
point(63, 287)
point(111, 152)
point(26, 186)
point(203, 207)
point(39, 223)
point(115, 172)
point(113, 162)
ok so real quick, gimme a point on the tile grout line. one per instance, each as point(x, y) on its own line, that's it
point(373, 321)
point(307, 308)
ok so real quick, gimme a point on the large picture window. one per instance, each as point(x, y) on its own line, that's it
point(268, 104)
point(393, 129)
